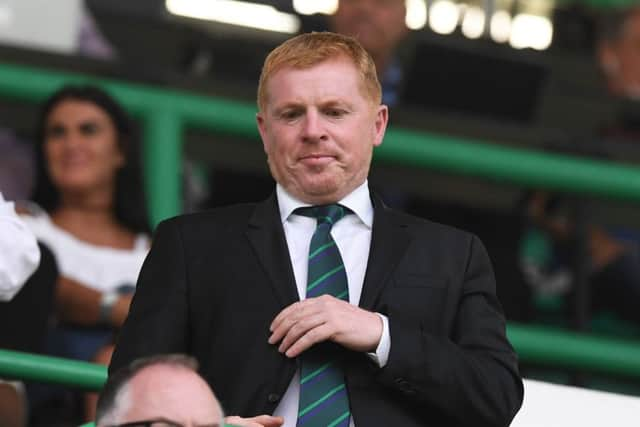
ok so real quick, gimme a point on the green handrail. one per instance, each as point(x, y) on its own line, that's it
point(51, 370)
point(579, 351)
point(166, 113)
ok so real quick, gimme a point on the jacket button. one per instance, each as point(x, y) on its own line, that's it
point(273, 397)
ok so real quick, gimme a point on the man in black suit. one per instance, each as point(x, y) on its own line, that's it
point(417, 337)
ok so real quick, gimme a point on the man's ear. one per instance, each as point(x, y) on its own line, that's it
point(381, 121)
point(262, 129)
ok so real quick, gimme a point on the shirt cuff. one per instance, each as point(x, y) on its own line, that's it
point(381, 355)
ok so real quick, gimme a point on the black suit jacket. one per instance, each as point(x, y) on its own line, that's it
point(214, 281)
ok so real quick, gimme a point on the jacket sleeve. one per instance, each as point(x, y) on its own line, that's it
point(157, 320)
point(472, 374)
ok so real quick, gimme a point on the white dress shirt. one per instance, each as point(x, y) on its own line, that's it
point(352, 235)
point(19, 252)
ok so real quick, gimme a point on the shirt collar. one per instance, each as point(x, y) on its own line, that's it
point(359, 201)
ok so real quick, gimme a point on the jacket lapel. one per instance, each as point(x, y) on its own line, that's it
point(389, 241)
point(266, 235)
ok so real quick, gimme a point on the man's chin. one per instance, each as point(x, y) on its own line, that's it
point(319, 193)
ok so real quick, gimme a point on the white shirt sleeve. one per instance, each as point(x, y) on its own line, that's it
point(19, 252)
point(381, 356)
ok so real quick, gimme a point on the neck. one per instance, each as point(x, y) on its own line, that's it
point(90, 210)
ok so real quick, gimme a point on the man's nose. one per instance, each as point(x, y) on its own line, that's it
point(313, 129)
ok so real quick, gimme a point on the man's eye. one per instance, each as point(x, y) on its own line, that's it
point(335, 112)
point(291, 114)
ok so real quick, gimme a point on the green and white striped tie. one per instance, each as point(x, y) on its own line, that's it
point(323, 395)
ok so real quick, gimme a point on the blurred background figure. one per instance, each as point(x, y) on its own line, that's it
point(379, 25)
point(618, 51)
point(161, 390)
point(90, 210)
point(618, 57)
point(613, 252)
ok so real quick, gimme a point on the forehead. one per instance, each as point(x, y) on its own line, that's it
point(632, 25)
point(173, 392)
point(335, 77)
point(76, 109)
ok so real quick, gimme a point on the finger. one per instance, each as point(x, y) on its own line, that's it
point(241, 422)
point(313, 336)
point(283, 315)
point(283, 327)
point(300, 328)
point(269, 421)
point(259, 421)
point(288, 318)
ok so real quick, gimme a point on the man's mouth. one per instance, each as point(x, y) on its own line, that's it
point(317, 159)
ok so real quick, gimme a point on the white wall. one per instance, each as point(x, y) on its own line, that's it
point(551, 405)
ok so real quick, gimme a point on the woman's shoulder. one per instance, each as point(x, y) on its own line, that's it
point(34, 216)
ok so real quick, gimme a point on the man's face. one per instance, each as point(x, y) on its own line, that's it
point(319, 130)
point(623, 59)
point(379, 25)
point(173, 394)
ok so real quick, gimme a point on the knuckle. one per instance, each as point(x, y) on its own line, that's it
point(296, 329)
point(313, 335)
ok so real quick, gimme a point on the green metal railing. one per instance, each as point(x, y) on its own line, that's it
point(542, 346)
point(51, 370)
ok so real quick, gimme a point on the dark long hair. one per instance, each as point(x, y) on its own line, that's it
point(130, 207)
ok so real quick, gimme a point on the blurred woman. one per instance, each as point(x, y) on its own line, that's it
point(91, 214)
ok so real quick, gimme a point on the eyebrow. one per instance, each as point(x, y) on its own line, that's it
point(83, 123)
point(329, 103)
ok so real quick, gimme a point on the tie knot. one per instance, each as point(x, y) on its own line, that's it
point(325, 214)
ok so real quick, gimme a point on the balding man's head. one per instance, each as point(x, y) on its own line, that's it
point(164, 388)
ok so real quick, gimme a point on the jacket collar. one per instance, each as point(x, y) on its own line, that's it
point(389, 241)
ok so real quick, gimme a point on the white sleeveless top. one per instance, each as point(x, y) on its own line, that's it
point(98, 267)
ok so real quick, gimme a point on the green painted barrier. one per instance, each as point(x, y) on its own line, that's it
point(539, 345)
point(568, 349)
point(52, 370)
